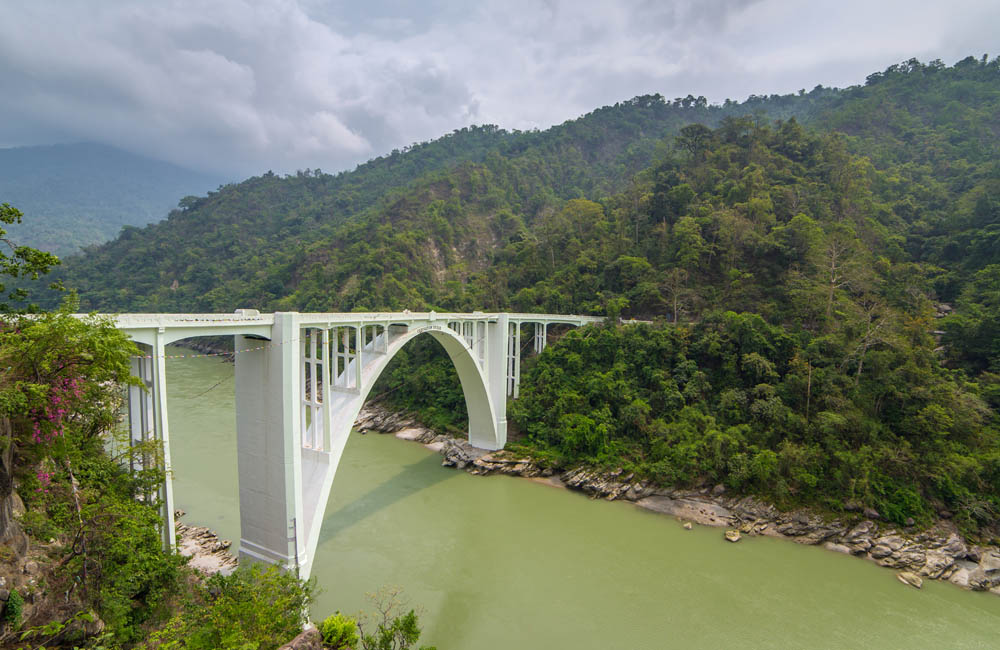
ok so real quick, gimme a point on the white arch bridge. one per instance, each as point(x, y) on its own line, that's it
point(301, 380)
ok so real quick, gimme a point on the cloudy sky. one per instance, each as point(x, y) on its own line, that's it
point(240, 86)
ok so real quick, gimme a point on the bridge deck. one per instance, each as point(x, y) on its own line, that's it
point(248, 318)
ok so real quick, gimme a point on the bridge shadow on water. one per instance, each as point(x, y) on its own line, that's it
point(415, 477)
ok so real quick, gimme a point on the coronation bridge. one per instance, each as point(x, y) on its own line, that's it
point(301, 380)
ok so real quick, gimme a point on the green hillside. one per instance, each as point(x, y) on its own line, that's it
point(795, 250)
point(246, 243)
point(79, 195)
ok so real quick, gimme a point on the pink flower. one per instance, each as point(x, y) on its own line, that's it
point(44, 480)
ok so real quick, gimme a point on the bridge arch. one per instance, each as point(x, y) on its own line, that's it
point(288, 461)
point(318, 473)
point(482, 412)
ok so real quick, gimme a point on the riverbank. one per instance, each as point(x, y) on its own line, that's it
point(208, 554)
point(938, 553)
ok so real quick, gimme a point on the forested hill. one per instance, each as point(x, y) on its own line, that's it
point(244, 244)
point(599, 211)
point(79, 195)
point(805, 244)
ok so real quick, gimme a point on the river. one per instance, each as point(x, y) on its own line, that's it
point(500, 563)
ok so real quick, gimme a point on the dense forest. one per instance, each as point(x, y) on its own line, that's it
point(79, 195)
point(823, 270)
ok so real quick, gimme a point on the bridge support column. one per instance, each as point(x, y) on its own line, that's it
point(140, 404)
point(268, 431)
point(497, 334)
point(147, 416)
point(162, 432)
point(514, 360)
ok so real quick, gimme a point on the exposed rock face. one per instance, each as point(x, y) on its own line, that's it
point(11, 506)
point(939, 553)
point(373, 418)
point(684, 507)
point(310, 639)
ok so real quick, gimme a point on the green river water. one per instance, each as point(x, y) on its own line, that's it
point(501, 563)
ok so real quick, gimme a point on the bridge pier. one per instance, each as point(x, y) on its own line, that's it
point(147, 408)
point(497, 337)
point(268, 396)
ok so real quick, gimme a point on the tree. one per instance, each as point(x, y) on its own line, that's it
point(394, 627)
point(695, 139)
point(839, 263)
point(19, 262)
point(257, 606)
point(676, 288)
point(687, 245)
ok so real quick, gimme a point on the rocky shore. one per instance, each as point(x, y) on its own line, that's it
point(209, 346)
point(939, 553)
point(208, 553)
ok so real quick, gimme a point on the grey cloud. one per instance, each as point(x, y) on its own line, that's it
point(241, 87)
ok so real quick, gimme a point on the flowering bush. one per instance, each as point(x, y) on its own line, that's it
point(60, 372)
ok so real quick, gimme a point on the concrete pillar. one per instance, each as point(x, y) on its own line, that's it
point(147, 418)
point(140, 403)
point(356, 358)
point(161, 430)
point(268, 398)
point(517, 360)
point(496, 372)
point(539, 338)
point(327, 409)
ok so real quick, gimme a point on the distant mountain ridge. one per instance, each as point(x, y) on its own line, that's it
point(79, 195)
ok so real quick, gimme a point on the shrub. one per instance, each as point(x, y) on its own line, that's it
point(339, 632)
point(14, 608)
point(254, 608)
point(393, 629)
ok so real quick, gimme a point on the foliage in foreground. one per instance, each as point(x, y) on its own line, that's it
point(60, 388)
point(391, 626)
point(60, 380)
point(339, 631)
point(254, 608)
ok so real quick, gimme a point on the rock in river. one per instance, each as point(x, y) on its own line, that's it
point(910, 578)
point(732, 535)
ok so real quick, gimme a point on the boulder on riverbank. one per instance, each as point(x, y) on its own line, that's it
point(910, 578)
point(310, 639)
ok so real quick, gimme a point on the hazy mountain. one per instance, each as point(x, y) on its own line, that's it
point(76, 195)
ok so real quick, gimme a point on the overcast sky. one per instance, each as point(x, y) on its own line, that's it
point(240, 87)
